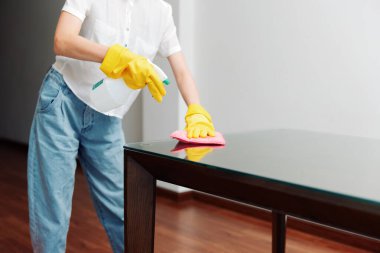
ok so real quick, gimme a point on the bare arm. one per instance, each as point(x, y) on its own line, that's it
point(68, 42)
point(185, 81)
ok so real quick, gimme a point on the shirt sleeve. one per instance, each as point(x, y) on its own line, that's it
point(169, 44)
point(77, 8)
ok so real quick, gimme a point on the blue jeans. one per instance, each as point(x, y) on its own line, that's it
point(63, 129)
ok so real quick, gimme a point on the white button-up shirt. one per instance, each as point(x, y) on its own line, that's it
point(146, 27)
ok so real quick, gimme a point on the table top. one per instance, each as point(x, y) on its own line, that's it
point(345, 166)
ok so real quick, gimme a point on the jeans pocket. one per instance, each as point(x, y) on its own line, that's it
point(50, 93)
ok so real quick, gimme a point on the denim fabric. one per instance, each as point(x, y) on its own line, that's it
point(63, 129)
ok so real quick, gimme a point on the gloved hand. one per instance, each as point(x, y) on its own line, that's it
point(198, 122)
point(136, 70)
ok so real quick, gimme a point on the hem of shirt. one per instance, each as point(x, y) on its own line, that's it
point(172, 51)
point(74, 12)
point(109, 113)
point(113, 115)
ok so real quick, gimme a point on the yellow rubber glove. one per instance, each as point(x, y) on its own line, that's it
point(140, 73)
point(135, 69)
point(198, 122)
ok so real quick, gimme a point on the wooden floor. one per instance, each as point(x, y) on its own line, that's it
point(191, 227)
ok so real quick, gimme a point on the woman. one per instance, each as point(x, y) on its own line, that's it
point(93, 39)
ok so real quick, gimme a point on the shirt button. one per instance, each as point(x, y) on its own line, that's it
point(128, 29)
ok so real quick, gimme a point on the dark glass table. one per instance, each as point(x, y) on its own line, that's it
point(325, 178)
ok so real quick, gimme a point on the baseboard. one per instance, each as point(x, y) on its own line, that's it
point(176, 196)
point(329, 233)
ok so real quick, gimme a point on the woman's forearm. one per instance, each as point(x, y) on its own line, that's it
point(188, 89)
point(68, 42)
point(77, 47)
point(185, 81)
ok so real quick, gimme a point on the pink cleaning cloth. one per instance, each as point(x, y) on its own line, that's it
point(181, 135)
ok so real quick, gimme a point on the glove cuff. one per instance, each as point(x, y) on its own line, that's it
point(111, 60)
point(197, 109)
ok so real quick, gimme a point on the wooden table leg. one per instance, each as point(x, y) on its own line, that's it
point(139, 211)
point(278, 232)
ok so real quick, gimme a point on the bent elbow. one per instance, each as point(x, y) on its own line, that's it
point(59, 45)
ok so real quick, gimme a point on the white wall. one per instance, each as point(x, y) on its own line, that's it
point(302, 64)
